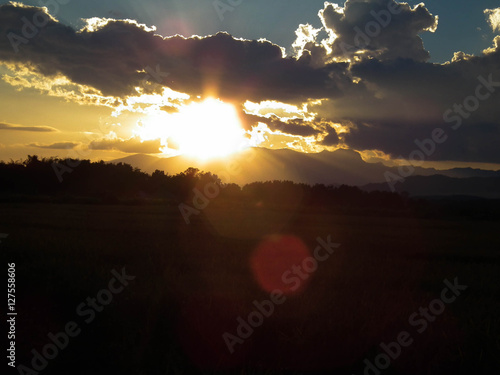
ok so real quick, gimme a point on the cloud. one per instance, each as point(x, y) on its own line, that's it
point(169, 109)
point(21, 77)
point(406, 100)
point(117, 56)
point(331, 139)
point(57, 145)
point(133, 145)
point(362, 29)
point(291, 127)
point(493, 18)
point(474, 142)
point(23, 128)
point(296, 127)
point(415, 100)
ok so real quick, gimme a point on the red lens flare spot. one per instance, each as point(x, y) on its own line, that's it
point(277, 264)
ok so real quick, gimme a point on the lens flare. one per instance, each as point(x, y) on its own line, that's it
point(277, 264)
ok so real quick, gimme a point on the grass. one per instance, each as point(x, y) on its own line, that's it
point(193, 281)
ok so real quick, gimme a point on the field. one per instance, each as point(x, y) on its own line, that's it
point(193, 282)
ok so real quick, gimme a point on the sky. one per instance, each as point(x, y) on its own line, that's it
point(397, 82)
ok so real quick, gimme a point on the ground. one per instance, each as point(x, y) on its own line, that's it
point(193, 283)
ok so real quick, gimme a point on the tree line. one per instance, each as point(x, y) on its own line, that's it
point(100, 182)
point(108, 182)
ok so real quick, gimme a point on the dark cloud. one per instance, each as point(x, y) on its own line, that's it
point(430, 87)
point(332, 139)
point(169, 109)
point(132, 145)
point(416, 98)
point(384, 29)
point(57, 145)
point(23, 128)
point(119, 55)
point(477, 142)
point(297, 127)
point(406, 100)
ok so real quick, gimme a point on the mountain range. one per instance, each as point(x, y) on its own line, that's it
point(329, 168)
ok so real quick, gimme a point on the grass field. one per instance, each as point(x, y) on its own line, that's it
point(193, 281)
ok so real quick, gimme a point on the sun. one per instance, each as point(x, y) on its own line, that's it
point(209, 129)
point(204, 130)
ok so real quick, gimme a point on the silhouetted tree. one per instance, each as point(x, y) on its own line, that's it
point(112, 183)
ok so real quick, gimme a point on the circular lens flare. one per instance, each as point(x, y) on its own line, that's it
point(276, 264)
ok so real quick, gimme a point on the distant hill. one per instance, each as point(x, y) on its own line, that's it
point(260, 164)
point(439, 186)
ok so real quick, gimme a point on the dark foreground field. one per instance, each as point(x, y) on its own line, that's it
point(193, 282)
